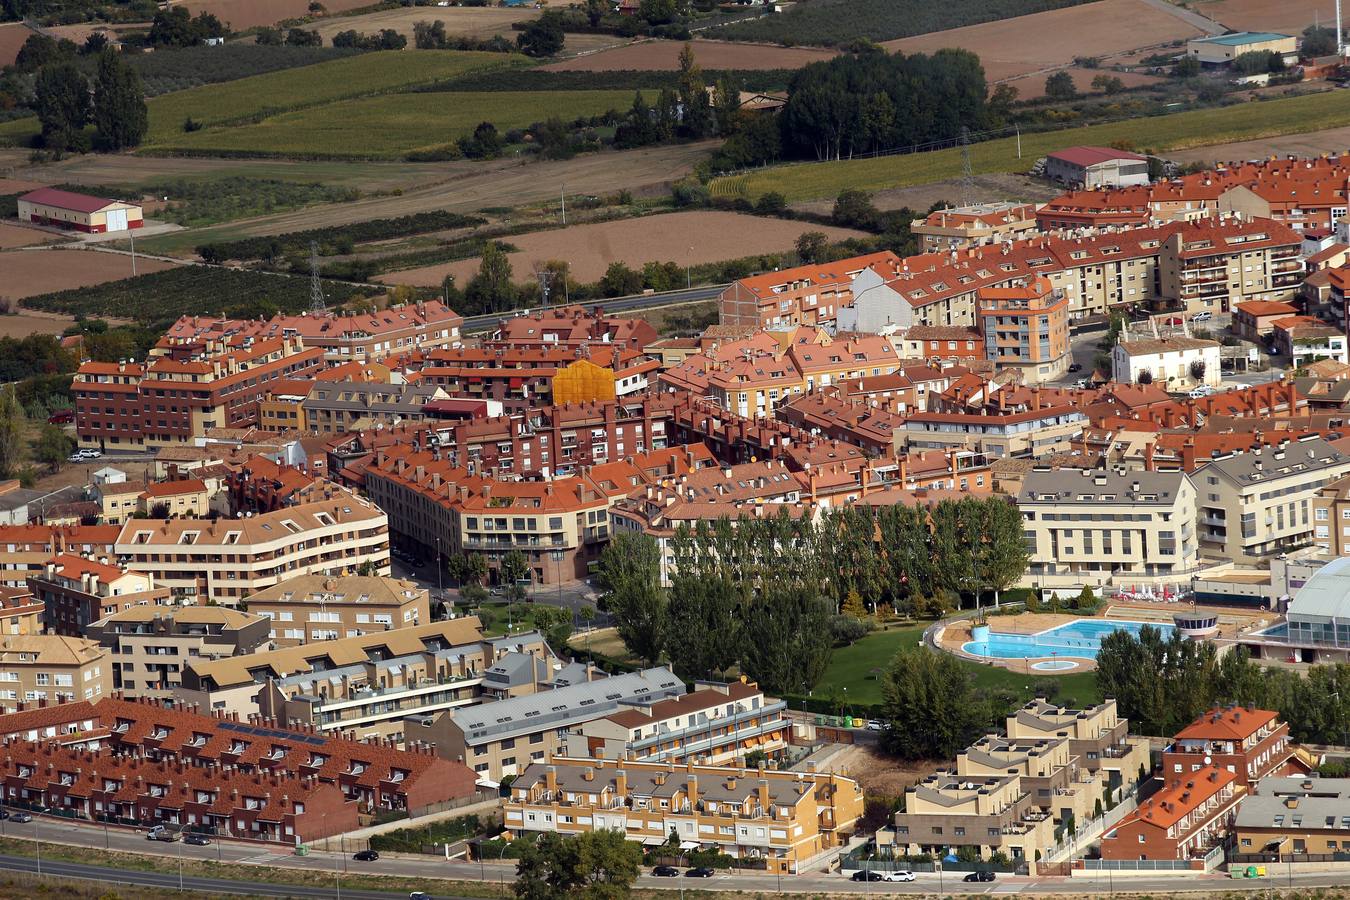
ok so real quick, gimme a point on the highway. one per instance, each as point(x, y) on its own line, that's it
point(610, 305)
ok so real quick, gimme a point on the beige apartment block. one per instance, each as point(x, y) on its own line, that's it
point(990, 813)
point(152, 645)
point(789, 819)
point(51, 668)
point(20, 611)
point(1086, 526)
point(1098, 737)
point(1050, 772)
point(1259, 503)
point(1331, 517)
point(319, 608)
point(226, 560)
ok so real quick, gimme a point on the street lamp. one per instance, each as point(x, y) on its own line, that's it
point(180, 865)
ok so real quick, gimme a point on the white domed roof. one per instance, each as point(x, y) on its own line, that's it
point(1326, 594)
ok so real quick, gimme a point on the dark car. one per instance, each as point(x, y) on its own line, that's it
point(979, 876)
point(1075, 367)
point(666, 871)
point(365, 855)
point(4, 814)
point(699, 872)
point(21, 817)
point(866, 875)
point(197, 840)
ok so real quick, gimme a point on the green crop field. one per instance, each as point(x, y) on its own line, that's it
point(251, 99)
point(1198, 128)
point(393, 124)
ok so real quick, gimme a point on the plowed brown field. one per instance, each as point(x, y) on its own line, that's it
point(32, 272)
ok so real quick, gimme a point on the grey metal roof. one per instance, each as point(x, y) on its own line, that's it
point(1326, 594)
point(488, 722)
point(1324, 804)
point(1066, 487)
point(1261, 465)
point(572, 673)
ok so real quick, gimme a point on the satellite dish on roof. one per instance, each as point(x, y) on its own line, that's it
point(1208, 759)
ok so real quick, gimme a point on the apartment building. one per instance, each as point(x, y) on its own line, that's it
point(367, 685)
point(1049, 772)
point(20, 611)
point(150, 646)
point(1294, 817)
point(225, 560)
point(1255, 320)
point(1211, 266)
point(1026, 329)
point(792, 820)
point(335, 407)
point(1185, 820)
point(713, 725)
point(26, 549)
point(569, 328)
point(521, 380)
point(1251, 743)
point(503, 737)
point(117, 500)
point(1029, 432)
point(1098, 737)
point(76, 592)
point(990, 813)
point(183, 497)
point(1331, 517)
point(51, 668)
point(1089, 526)
point(320, 608)
point(184, 392)
point(806, 295)
point(968, 226)
point(1259, 502)
point(1307, 339)
point(343, 337)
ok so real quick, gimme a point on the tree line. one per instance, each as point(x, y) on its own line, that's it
point(764, 594)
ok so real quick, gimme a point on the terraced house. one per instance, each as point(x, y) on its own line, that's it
point(794, 821)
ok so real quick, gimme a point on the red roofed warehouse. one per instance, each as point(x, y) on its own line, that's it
point(1096, 167)
point(78, 212)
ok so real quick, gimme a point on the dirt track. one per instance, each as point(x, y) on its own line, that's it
point(660, 56)
point(1283, 16)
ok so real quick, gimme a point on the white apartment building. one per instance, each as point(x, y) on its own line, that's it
point(1173, 363)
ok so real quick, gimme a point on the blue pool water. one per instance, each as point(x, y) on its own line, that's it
point(1081, 639)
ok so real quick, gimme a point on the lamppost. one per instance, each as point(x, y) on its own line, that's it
point(557, 559)
point(180, 865)
point(440, 567)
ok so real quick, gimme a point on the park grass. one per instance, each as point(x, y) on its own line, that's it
point(1196, 128)
point(260, 96)
point(391, 125)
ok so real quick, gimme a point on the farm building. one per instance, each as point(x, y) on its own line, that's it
point(1222, 50)
point(1096, 167)
point(78, 212)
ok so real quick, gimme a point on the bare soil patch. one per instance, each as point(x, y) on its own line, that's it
point(919, 198)
point(1283, 16)
point(1311, 144)
point(687, 238)
point(240, 14)
point(1030, 87)
point(661, 56)
point(1050, 40)
point(24, 324)
point(881, 775)
point(32, 272)
point(17, 236)
point(471, 21)
point(12, 36)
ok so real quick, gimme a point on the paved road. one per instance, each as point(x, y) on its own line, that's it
point(611, 305)
point(1194, 19)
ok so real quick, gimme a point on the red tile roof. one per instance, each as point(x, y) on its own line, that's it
point(83, 203)
point(1091, 156)
point(1234, 723)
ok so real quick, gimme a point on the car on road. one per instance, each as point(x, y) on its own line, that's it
point(898, 875)
point(21, 818)
point(197, 840)
point(867, 875)
point(419, 895)
point(365, 856)
point(1201, 392)
point(979, 876)
point(90, 453)
point(875, 725)
point(1202, 317)
point(665, 871)
point(4, 814)
point(700, 872)
point(1075, 367)
point(162, 834)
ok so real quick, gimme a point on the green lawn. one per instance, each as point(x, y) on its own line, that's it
point(860, 668)
point(390, 125)
point(1197, 128)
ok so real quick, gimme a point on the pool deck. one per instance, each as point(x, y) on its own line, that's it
point(956, 634)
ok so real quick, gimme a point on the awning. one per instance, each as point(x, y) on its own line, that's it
point(688, 845)
point(653, 841)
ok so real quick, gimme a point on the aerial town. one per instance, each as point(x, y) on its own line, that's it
point(586, 448)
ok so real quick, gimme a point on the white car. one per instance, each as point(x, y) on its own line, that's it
point(1201, 317)
point(898, 875)
point(90, 453)
point(1201, 392)
point(875, 725)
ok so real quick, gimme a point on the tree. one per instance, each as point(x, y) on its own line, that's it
point(693, 95)
point(1004, 556)
point(630, 572)
point(269, 37)
point(930, 701)
point(53, 446)
point(595, 865)
point(702, 630)
point(854, 209)
point(11, 431)
point(120, 115)
point(542, 37)
point(1108, 84)
point(484, 143)
point(620, 281)
point(853, 606)
point(1144, 377)
point(429, 35)
point(811, 246)
point(39, 50)
point(491, 290)
point(514, 569)
point(1258, 62)
point(300, 37)
point(1317, 41)
point(62, 100)
point(595, 12)
point(1197, 369)
point(845, 630)
point(555, 624)
point(1060, 86)
point(658, 12)
point(726, 104)
point(1186, 67)
point(787, 642)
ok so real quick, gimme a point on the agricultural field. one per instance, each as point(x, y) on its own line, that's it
point(24, 324)
point(12, 236)
point(1035, 43)
point(686, 238)
point(1181, 131)
point(262, 95)
point(392, 125)
point(32, 272)
point(466, 21)
point(1285, 16)
point(1031, 87)
point(824, 23)
point(241, 14)
point(1331, 140)
point(663, 56)
point(12, 36)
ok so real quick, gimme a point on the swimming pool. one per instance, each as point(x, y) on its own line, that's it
point(1081, 639)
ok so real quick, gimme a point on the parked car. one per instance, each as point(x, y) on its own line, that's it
point(162, 834)
point(875, 725)
point(21, 818)
point(75, 458)
point(419, 895)
point(1200, 392)
point(665, 871)
point(979, 876)
point(867, 875)
point(1202, 316)
point(899, 875)
point(4, 814)
point(61, 417)
point(1174, 320)
point(700, 872)
point(90, 453)
point(1075, 367)
point(365, 856)
point(197, 840)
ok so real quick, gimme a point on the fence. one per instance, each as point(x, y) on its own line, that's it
point(1242, 859)
point(1207, 863)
